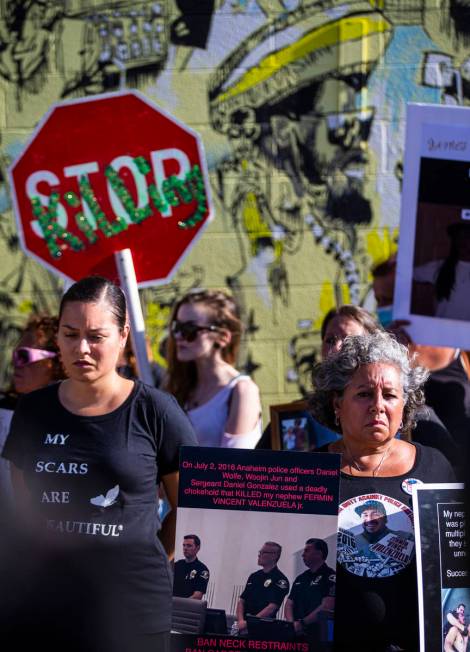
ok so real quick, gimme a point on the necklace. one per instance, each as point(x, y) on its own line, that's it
point(375, 470)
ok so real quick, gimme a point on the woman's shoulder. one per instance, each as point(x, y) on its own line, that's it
point(8, 401)
point(244, 385)
point(245, 392)
point(431, 464)
point(159, 398)
point(39, 397)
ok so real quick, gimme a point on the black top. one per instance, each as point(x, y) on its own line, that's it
point(448, 393)
point(263, 588)
point(7, 405)
point(190, 576)
point(93, 482)
point(376, 601)
point(430, 431)
point(309, 589)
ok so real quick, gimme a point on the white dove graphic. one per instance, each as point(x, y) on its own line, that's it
point(108, 500)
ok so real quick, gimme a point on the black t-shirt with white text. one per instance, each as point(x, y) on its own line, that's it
point(93, 482)
point(376, 599)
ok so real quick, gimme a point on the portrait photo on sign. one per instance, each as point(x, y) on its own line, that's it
point(238, 547)
point(455, 618)
point(441, 265)
point(375, 536)
point(432, 283)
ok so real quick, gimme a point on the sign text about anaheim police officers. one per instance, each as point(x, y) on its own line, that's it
point(259, 481)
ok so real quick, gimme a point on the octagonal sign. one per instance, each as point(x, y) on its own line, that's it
point(107, 173)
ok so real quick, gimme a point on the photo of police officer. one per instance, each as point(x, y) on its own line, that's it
point(313, 592)
point(265, 589)
point(190, 575)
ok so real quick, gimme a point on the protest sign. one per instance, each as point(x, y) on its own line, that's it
point(127, 176)
point(433, 265)
point(125, 194)
point(293, 428)
point(442, 565)
point(250, 514)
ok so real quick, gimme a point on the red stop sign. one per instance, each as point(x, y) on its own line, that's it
point(107, 173)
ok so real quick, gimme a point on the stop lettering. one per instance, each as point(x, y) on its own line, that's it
point(108, 173)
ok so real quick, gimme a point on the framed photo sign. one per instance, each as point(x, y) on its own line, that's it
point(293, 428)
point(433, 266)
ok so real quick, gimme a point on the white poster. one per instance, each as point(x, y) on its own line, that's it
point(432, 289)
point(442, 567)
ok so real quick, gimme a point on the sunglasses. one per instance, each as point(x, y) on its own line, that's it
point(25, 355)
point(188, 330)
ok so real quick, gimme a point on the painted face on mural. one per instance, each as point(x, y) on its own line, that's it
point(327, 148)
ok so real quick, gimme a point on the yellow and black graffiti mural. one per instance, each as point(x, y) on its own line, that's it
point(301, 107)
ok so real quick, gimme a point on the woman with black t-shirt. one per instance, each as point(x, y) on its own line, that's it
point(36, 363)
point(369, 390)
point(88, 455)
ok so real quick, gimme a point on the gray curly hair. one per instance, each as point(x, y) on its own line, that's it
point(331, 376)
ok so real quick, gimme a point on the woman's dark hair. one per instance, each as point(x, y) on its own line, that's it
point(93, 289)
point(182, 376)
point(355, 313)
point(331, 376)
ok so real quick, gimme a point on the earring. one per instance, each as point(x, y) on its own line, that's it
point(400, 427)
point(336, 419)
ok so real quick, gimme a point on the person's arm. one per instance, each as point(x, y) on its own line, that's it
point(452, 620)
point(289, 610)
point(268, 611)
point(20, 490)
point(327, 604)
point(245, 408)
point(200, 585)
point(197, 595)
point(450, 639)
point(167, 533)
point(241, 615)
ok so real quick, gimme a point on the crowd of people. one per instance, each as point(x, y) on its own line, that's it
point(89, 445)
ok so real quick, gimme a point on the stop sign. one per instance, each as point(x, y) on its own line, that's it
point(108, 173)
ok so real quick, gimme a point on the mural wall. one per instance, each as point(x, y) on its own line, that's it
point(301, 107)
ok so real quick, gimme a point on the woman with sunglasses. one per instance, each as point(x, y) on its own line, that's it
point(36, 360)
point(36, 363)
point(222, 404)
point(88, 455)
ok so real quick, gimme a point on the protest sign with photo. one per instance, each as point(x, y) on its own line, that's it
point(433, 266)
point(293, 428)
point(255, 550)
point(442, 565)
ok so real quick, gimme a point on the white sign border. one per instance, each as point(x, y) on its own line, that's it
point(424, 329)
point(419, 568)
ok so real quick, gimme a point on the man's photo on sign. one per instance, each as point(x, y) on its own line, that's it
point(455, 619)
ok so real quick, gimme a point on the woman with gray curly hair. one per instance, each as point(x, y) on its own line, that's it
point(369, 391)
